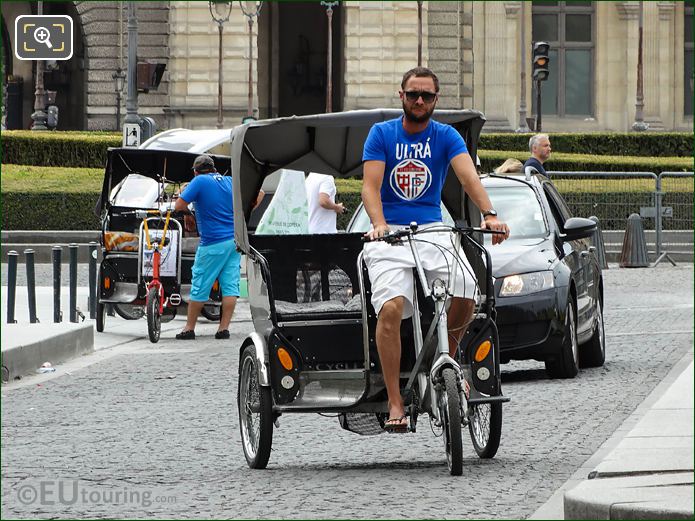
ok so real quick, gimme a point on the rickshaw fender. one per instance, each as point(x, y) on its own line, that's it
point(440, 364)
point(261, 355)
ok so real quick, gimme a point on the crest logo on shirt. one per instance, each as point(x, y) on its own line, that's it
point(410, 179)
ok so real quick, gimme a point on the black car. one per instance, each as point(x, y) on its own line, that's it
point(548, 282)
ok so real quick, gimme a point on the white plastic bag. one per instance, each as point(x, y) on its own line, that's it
point(287, 213)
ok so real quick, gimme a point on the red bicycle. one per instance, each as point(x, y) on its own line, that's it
point(159, 266)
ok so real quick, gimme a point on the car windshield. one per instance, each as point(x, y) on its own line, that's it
point(518, 206)
point(136, 191)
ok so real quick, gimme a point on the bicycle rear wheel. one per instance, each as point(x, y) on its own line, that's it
point(485, 427)
point(450, 411)
point(255, 412)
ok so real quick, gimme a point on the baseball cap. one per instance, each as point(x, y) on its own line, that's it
point(204, 163)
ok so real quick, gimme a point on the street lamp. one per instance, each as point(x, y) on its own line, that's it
point(251, 10)
point(220, 12)
point(639, 124)
point(329, 55)
point(118, 83)
point(39, 116)
point(419, 33)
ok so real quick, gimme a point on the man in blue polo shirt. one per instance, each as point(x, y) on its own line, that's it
point(405, 164)
point(217, 257)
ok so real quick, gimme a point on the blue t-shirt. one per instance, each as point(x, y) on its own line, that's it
point(214, 215)
point(416, 167)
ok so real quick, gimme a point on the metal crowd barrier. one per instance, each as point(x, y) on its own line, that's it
point(674, 208)
point(664, 202)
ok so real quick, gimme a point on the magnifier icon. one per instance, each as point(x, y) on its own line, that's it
point(43, 35)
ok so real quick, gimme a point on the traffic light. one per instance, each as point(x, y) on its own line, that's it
point(540, 61)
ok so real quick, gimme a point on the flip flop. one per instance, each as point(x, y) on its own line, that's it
point(396, 425)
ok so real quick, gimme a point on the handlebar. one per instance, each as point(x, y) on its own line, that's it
point(413, 229)
point(143, 214)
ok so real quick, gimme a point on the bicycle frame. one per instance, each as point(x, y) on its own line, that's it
point(156, 247)
point(439, 293)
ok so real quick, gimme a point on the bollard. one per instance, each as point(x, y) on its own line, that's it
point(11, 284)
point(597, 241)
point(31, 285)
point(73, 282)
point(634, 252)
point(92, 279)
point(56, 255)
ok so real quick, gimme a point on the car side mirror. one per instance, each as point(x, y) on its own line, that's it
point(529, 172)
point(578, 228)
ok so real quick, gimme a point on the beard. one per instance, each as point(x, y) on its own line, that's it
point(414, 118)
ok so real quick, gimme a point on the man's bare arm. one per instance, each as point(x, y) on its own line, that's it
point(180, 205)
point(467, 175)
point(325, 202)
point(373, 175)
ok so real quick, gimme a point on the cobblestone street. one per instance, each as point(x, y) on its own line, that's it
point(161, 420)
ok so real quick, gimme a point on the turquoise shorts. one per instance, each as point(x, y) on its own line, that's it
point(220, 261)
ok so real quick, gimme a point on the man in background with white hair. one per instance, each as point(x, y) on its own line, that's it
point(539, 146)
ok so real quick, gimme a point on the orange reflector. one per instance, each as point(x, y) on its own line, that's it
point(107, 282)
point(482, 351)
point(285, 358)
point(216, 286)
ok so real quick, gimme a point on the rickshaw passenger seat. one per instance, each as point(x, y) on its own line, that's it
point(312, 276)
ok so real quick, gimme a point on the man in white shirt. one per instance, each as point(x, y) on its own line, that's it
point(323, 210)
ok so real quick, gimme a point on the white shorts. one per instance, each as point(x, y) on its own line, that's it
point(391, 268)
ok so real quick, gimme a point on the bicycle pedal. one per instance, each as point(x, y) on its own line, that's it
point(175, 299)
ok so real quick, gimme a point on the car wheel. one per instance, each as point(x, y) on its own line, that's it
point(593, 353)
point(566, 363)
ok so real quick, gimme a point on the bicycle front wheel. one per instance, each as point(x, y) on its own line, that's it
point(154, 319)
point(450, 411)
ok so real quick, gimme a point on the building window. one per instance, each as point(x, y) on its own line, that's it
point(569, 29)
point(688, 59)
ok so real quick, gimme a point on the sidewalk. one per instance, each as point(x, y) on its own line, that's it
point(648, 474)
point(26, 346)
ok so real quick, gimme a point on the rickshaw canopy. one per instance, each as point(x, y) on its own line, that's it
point(328, 144)
point(175, 165)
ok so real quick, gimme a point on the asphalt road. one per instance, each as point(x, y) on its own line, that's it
point(157, 424)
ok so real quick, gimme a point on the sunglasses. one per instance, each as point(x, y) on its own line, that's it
point(427, 97)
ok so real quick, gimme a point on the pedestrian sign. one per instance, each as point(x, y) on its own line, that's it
point(131, 135)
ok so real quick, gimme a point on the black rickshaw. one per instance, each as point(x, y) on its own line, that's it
point(136, 208)
point(318, 354)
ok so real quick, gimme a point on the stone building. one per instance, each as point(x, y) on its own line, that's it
point(475, 47)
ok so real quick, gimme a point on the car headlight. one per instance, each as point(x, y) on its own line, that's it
point(527, 283)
